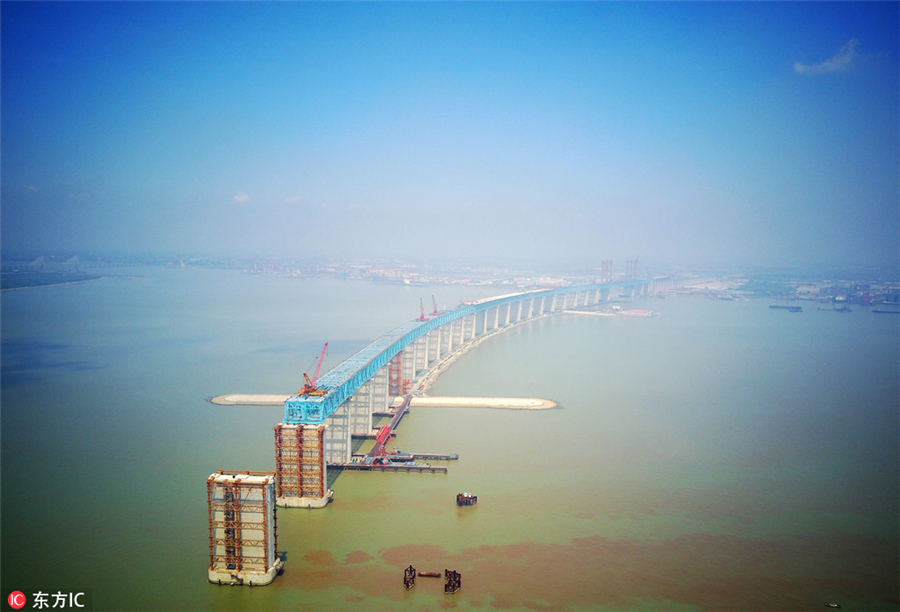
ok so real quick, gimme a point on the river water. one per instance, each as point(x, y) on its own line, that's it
point(720, 456)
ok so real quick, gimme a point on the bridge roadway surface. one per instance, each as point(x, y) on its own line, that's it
point(342, 381)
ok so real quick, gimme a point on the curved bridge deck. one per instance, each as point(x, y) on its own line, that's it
point(341, 382)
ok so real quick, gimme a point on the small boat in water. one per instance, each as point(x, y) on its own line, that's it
point(466, 499)
point(832, 605)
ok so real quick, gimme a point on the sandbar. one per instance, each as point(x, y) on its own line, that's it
point(506, 403)
point(250, 399)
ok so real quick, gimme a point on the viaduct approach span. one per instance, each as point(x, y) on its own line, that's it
point(319, 422)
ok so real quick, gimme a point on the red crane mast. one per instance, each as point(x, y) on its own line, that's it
point(422, 309)
point(309, 386)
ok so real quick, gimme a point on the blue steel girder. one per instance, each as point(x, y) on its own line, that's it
point(342, 381)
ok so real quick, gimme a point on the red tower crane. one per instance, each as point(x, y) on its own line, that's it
point(435, 312)
point(309, 386)
point(422, 308)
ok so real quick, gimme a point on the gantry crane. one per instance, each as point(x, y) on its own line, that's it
point(381, 439)
point(309, 386)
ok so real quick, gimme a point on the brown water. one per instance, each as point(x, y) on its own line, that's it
point(720, 456)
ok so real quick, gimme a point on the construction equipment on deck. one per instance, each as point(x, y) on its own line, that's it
point(309, 386)
point(422, 309)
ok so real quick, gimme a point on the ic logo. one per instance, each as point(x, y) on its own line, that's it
point(16, 600)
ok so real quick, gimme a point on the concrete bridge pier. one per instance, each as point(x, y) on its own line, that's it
point(434, 345)
point(485, 321)
point(381, 389)
point(422, 354)
point(455, 335)
point(337, 435)
point(362, 405)
point(407, 365)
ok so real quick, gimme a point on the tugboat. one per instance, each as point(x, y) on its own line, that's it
point(466, 499)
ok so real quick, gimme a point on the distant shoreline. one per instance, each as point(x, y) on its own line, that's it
point(52, 283)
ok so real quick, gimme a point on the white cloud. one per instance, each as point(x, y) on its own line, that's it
point(31, 188)
point(241, 197)
point(841, 61)
point(293, 200)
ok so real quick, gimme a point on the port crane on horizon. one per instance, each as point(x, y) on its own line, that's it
point(309, 386)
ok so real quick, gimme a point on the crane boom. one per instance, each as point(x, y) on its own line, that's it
point(315, 377)
point(434, 301)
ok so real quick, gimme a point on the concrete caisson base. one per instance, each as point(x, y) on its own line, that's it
point(304, 502)
point(246, 578)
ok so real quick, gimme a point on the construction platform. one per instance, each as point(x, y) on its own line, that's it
point(392, 467)
point(503, 403)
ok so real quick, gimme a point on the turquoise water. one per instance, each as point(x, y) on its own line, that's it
point(720, 456)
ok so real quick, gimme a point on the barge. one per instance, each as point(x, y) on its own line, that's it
point(786, 307)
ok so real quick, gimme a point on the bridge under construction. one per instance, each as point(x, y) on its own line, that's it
point(322, 418)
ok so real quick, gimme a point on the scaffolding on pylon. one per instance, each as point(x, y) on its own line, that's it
point(299, 463)
point(240, 539)
point(395, 375)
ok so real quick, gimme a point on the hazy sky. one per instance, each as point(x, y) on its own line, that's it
point(680, 132)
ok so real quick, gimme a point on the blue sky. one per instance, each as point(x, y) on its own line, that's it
point(686, 133)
